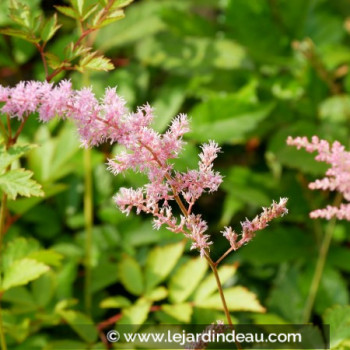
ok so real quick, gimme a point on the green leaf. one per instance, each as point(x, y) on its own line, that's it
point(288, 283)
point(186, 279)
point(226, 119)
point(121, 3)
point(17, 249)
point(115, 302)
point(333, 289)
point(7, 157)
point(22, 34)
point(209, 286)
point(43, 289)
point(131, 275)
point(89, 11)
point(17, 182)
point(21, 14)
point(237, 299)
point(48, 257)
point(181, 312)
point(338, 318)
point(137, 313)
point(167, 104)
point(190, 54)
point(265, 249)
point(68, 11)
point(157, 294)
point(113, 16)
point(292, 157)
point(103, 275)
point(78, 5)
point(81, 324)
point(160, 262)
point(19, 295)
point(336, 108)
point(50, 28)
point(21, 272)
point(54, 158)
point(92, 61)
point(143, 20)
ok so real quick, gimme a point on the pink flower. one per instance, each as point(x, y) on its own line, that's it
point(143, 150)
point(337, 176)
point(258, 223)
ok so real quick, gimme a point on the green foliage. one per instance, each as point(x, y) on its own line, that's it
point(131, 275)
point(249, 74)
point(18, 182)
point(184, 281)
point(339, 320)
point(23, 261)
point(160, 262)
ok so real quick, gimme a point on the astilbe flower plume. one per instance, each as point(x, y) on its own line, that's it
point(144, 150)
point(258, 223)
point(337, 176)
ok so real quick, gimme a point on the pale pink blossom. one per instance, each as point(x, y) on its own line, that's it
point(337, 176)
point(260, 222)
point(142, 150)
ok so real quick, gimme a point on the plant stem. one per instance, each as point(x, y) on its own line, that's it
point(88, 215)
point(321, 261)
point(218, 282)
point(223, 256)
point(2, 225)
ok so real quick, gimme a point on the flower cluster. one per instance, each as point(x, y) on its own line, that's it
point(166, 185)
point(258, 223)
point(144, 150)
point(337, 176)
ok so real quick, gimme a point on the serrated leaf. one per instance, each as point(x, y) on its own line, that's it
point(20, 13)
point(78, 5)
point(92, 62)
point(237, 299)
point(181, 312)
point(121, 3)
point(114, 16)
point(338, 318)
point(21, 272)
point(81, 324)
point(209, 286)
point(50, 28)
point(67, 11)
point(160, 261)
point(137, 313)
point(186, 279)
point(7, 157)
point(115, 302)
point(18, 182)
point(19, 34)
point(17, 249)
point(131, 275)
point(53, 61)
point(227, 119)
point(89, 11)
point(49, 257)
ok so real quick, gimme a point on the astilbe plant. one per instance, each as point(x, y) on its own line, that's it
point(337, 178)
point(145, 151)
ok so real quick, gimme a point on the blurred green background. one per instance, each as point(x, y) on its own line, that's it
point(248, 73)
